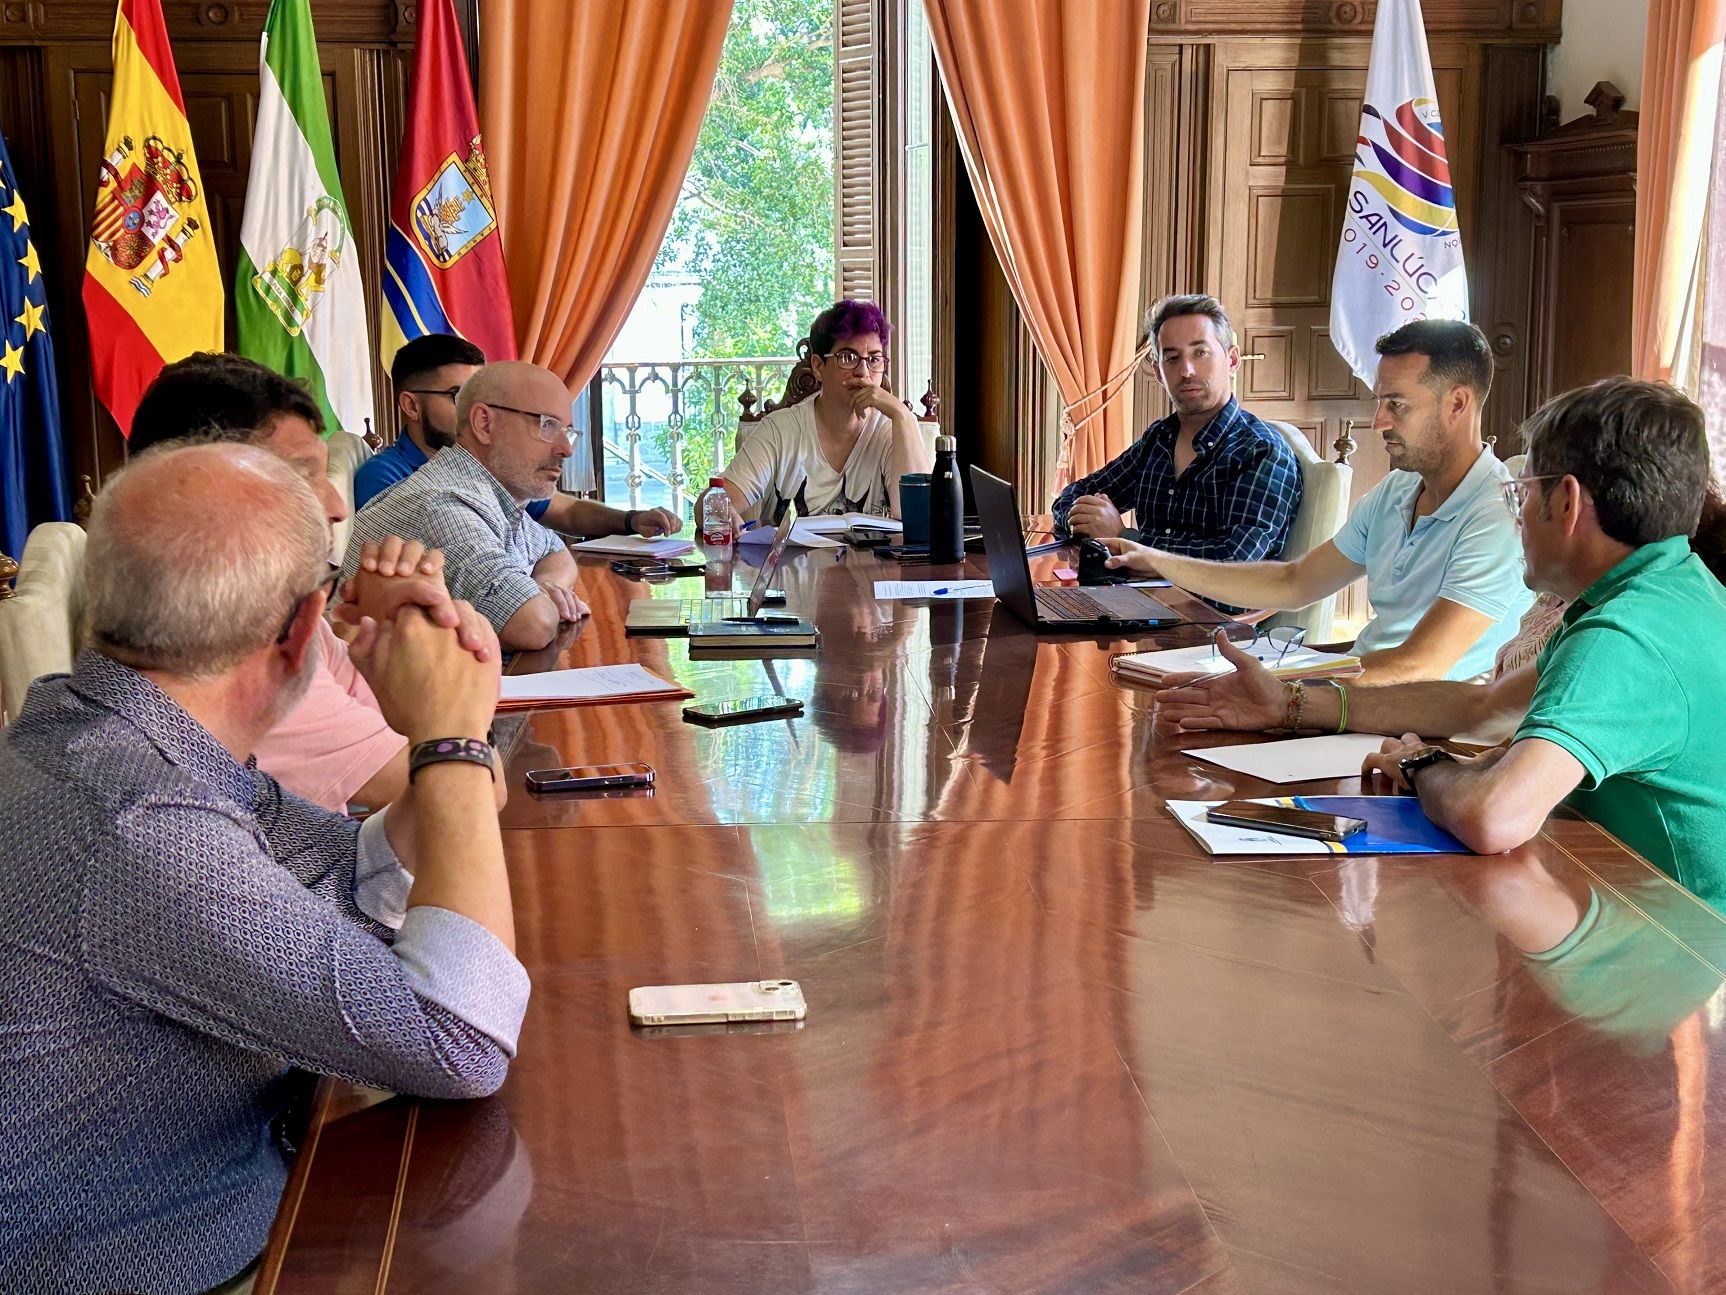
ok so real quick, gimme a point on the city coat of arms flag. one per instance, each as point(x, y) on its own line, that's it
point(152, 287)
point(443, 270)
point(299, 301)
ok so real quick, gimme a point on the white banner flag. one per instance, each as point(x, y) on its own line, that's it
point(1401, 253)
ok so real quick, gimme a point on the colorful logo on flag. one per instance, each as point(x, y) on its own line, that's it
point(454, 211)
point(294, 282)
point(1402, 158)
point(140, 213)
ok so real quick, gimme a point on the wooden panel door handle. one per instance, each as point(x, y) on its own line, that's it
point(1252, 355)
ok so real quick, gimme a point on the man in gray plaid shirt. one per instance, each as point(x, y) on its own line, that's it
point(512, 436)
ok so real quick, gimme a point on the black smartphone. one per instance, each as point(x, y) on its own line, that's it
point(1288, 822)
point(743, 710)
point(640, 568)
point(590, 777)
point(905, 552)
point(686, 566)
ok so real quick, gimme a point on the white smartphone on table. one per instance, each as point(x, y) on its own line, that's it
point(748, 1000)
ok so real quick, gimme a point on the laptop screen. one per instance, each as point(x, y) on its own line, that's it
point(770, 563)
point(1004, 542)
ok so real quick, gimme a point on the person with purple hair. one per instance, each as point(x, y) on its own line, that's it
point(843, 449)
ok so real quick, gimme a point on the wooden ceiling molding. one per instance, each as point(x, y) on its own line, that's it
point(1533, 20)
point(33, 22)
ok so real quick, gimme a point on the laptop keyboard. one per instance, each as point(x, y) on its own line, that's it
point(1117, 603)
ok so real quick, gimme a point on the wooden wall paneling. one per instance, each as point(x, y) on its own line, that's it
point(1163, 262)
point(1580, 182)
point(1500, 246)
point(1528, 20)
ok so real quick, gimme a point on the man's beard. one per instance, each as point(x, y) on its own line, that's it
point(436, 438)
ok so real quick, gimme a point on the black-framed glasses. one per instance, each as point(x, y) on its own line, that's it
point(325, 586)
point(550, 428)
point(846, 358)
point(449, 392)
point(1516, 491)
point(1279, 642)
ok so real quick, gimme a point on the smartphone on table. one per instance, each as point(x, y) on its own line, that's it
point(749, 1000)
point(590, 777)
point(1286, 821)
point(640, 568)
point(743, 710)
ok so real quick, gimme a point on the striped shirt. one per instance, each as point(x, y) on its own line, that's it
point(490, 545)
point(182, 946)
point(1234, 503)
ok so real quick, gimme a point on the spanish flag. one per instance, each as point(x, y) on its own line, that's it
point(443, 269)
point(152, 288)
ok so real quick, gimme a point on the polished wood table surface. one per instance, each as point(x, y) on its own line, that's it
point(1051, 1045)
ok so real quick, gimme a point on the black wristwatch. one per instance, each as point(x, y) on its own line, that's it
point(629, 516)
point(1410, 765)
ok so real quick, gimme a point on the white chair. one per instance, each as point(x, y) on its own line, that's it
point(347, 452)
point(1513, 464)
point(1323, 508)
point(42, 623)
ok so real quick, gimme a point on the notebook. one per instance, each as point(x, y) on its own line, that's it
point(586, 686)
point(1394, 825)
point(1296, 663)
point(792, 631)
point(635, 546)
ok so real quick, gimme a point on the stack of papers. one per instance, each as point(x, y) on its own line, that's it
point(1294, 663)
point(803, 535)
point(587, 686)
point(635, 546)
point(1394, 825)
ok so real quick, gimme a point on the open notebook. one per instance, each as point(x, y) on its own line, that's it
point(1296, 663)
point(586, 686)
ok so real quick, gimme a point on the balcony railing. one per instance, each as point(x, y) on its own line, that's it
point(666, 426)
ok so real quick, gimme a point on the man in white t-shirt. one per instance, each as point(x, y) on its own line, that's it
point(843, 449)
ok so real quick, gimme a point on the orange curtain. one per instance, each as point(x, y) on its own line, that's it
point(1674, 150)
point(1048, 98)
point(591, 112)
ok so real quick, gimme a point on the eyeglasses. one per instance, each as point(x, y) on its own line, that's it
point(325, 586)
point(846, 358)
point(1516, 491)
point(451, 393)
point(1281, 641)
point(550, 429)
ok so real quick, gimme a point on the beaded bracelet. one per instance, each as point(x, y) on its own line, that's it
point(470, 750)
point(1296, 704)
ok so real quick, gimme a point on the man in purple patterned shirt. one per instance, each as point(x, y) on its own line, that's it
point(184, 945)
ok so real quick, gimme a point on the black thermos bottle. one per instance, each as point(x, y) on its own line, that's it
point(946, 505)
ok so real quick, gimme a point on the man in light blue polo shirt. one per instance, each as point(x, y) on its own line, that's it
point(1442, 559)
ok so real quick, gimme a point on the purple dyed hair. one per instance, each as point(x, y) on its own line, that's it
point(844, 319)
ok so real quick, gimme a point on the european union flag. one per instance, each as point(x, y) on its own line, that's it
point(32, 460)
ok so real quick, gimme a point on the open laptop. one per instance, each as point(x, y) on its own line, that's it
point(1107, 608)
point(675, 616)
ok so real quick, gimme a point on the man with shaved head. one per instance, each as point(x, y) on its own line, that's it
point(512, 436)
point(183, 945)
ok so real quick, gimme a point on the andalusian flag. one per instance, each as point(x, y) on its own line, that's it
point(443, 269)
point(298, 295)
point(152, 288)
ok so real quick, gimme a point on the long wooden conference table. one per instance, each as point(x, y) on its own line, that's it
point(1051, 1045)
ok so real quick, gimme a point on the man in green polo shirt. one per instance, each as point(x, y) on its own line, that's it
point(1628, 719)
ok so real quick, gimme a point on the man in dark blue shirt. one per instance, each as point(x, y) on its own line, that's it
point(1210, 480)
point(427, 373)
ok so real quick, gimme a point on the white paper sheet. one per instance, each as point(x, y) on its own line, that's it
point(801, 537)
point(1300, 759)
point(1221, 838)
point(635, 546)
point(939, 590)
point(589, 683)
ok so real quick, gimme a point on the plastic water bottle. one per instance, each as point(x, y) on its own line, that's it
point(718, 523)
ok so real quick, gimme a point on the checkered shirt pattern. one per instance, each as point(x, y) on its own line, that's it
point(1235, 503)
point(182, 945)
point(490, 545)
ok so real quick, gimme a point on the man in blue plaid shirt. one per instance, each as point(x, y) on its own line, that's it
point(1210, 480)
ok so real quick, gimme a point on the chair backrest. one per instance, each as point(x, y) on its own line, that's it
point(1513, 464)
point(347, 452)
point(42, 623)
point(1323, 508)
